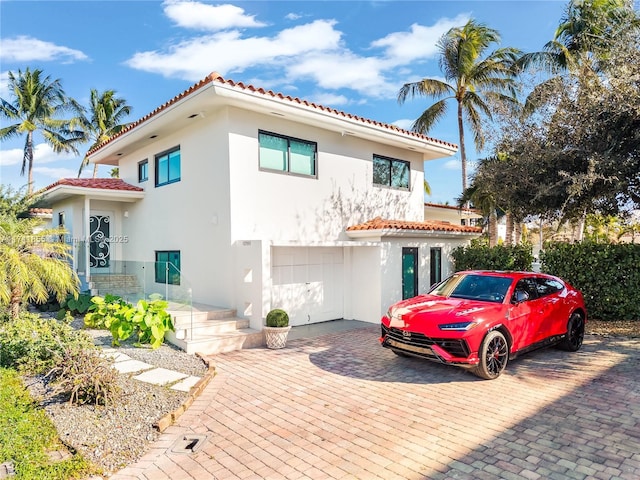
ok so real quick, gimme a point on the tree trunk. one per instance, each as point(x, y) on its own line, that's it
point(14, 302)
point(508, 237)
point(518, 233)
point(29, 152)
point(95, 170)
point(581, 223)
point(493, 228)
point(463, 155)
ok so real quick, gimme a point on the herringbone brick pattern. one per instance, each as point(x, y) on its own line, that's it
point(341, 407)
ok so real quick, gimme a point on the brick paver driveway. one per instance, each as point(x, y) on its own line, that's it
point(340, 406)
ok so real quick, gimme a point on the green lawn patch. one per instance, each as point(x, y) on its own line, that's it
point(27, 436)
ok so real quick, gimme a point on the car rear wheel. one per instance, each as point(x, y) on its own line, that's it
point(494, 354)
point(575, 333)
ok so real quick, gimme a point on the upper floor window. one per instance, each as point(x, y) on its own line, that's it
point(168, 167)
point(143, 171)
point(287, 154)
point(389, 172)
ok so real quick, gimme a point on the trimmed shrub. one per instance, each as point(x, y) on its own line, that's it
point(607, 274)
point(482, 257)
point(277, 318)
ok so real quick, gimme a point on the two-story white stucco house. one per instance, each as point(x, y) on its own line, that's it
point(252, 200)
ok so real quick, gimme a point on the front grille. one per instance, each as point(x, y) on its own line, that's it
point(457, 348)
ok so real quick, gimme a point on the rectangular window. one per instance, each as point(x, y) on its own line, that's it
point(167, 267)
point(436, 265)
point(168, 167)
point(389, 172)
point(286, 154)
point(143, 171)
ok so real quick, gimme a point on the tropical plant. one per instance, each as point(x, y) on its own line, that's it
point(38, 102)
point(33, 264)
point(14, 202)
point(106, 114)
point(148, 320)
point(470, 79)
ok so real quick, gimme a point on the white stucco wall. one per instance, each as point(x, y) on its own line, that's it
point(272, 205)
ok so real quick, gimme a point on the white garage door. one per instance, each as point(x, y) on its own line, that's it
point(308, 283)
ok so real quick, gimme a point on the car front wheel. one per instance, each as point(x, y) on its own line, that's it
point(494, 354)
point(575, 333)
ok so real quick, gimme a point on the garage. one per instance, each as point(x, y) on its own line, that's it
point(308, 283)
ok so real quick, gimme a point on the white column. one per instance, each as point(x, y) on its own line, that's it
point(87, 234)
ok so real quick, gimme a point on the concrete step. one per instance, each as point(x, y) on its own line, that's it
point(206, 326)
point(221, 343)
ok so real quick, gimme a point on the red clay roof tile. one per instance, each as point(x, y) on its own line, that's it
point(216, 77)
point(99, 183)
point(382, 224)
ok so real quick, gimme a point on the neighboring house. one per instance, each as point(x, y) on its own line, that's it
point(454, 215)
point(253, 200)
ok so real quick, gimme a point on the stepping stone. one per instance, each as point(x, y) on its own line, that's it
point(160, 376)
point(131, 366)
point(186, 384)
point(117, 356)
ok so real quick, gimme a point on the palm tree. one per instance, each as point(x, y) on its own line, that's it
point(586, 31)
point(470, 79)
point(107, 112)
point(33, 264)
point(36, 106)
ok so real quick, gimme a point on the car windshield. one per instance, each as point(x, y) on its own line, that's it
point(488, 288)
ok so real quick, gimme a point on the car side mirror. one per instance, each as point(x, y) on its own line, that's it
point(520, 296)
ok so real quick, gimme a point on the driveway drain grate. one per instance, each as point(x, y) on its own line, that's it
point(188, 444)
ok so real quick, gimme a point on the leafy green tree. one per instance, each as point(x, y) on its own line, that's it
point(33, 264)
point(471, 80)
point(14, 202)
point(37, 104)
point(106, 114)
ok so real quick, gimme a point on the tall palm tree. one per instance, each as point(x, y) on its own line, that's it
point(471, 79)
point(33, 264)
point(38, 102)
point(107, 112)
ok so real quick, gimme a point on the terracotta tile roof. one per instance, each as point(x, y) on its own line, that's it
point(216, 77)
point(98, 183)
point(40, 211)
point(382, 224)
point(451, 207)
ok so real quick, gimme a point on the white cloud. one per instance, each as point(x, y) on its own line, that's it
point(293, 16)
point(403, 123)
point(4, 85)
point(330, 99)
point(452, 165)
point(402, 48)
point(202, 16)
point(29, 49)
point(42, 153)
point(229, 52)
point(56, 172)
point(312, 51)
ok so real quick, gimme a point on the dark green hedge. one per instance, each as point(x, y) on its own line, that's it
point(480, 257)
point(608, 275)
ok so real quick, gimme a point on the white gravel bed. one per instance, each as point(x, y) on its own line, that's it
point(118, 434)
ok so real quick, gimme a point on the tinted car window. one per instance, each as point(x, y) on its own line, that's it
point(528, 285)
point(474, 287)
point(547, 286)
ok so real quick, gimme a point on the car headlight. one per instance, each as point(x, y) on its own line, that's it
point(460, 326)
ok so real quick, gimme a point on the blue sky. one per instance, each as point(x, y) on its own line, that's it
point(350, 55)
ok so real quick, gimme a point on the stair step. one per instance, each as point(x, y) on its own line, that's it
point(220, 343)
point(204, 326)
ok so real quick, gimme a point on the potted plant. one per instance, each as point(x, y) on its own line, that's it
point(277, 328)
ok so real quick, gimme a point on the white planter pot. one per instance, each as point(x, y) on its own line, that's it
point(276, 337)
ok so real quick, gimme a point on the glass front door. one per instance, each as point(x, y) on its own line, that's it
point(99, 247)
point(409, 272)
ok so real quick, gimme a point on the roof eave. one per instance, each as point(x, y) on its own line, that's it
point(60, 192)
point(396, 232)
